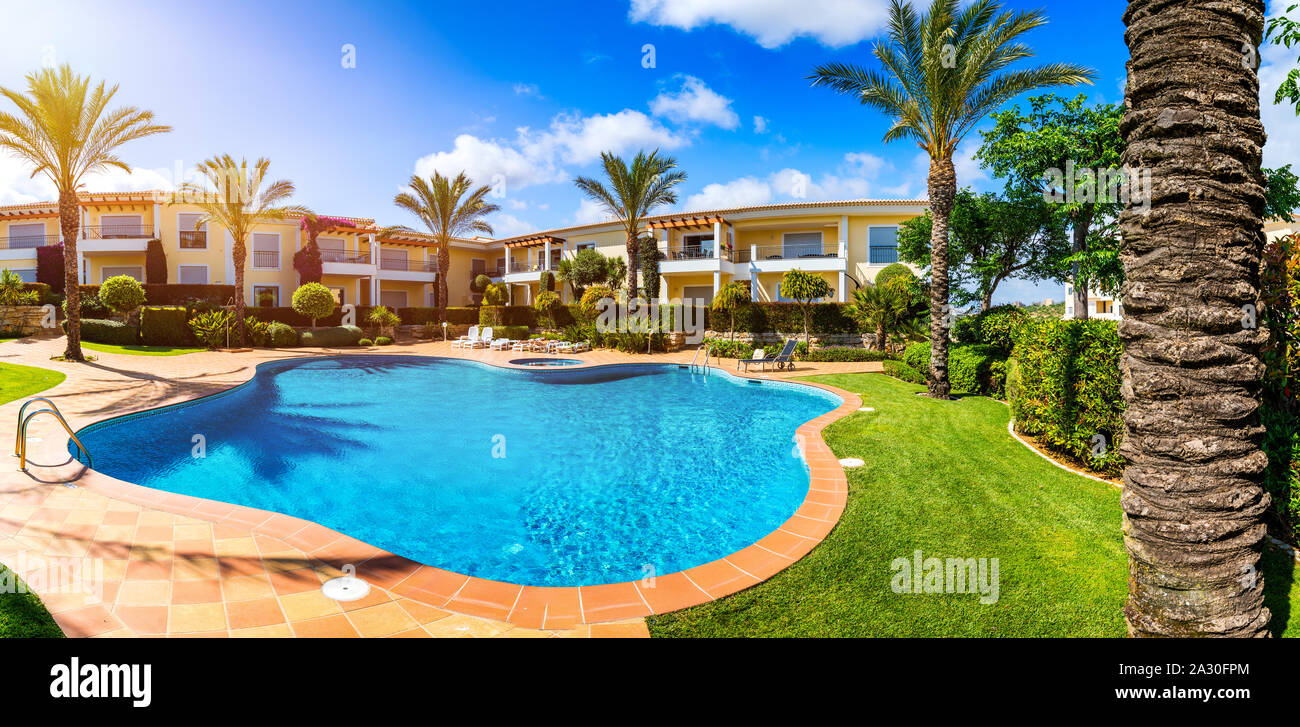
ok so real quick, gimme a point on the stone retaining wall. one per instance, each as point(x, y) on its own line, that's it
point(22, 319)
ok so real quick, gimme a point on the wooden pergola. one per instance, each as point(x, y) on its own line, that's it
point(686, 222)
point(534, 241)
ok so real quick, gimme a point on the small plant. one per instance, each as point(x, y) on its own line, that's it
point(256, 330)
point(591, 299)
point(212, 328)
point(314, 301)
point(365, 342)
point(383, 341)
point(12, 291)
point(731, 297)
point(804, 288)
point(383, 320)
point(546, 305)
point(122, 293)
point(429, 330)
point(282, 335)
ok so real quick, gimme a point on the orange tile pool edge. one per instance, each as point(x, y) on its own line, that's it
point(530, 606)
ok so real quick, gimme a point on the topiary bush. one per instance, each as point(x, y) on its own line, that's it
point(514, 333)
point(314, 301)
point(891, 271)
point(332, 337)
point(282, 335)
point(122, 293)
point(971, 369)
point(546, 305)
point(383, 341)
point(165, 326)
point(365, 343)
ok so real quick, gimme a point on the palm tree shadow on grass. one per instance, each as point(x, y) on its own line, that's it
point(1279, 576)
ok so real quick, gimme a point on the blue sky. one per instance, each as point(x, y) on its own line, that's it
point(521, 94)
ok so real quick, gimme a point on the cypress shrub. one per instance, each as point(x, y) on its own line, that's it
point(155, 263)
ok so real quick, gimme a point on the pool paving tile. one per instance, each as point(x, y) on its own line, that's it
point(175, 565)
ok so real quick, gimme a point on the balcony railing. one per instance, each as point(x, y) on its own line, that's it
point(412, 266)
point(25, 242)
point(517, 266)
point(678, 251)
point(797, 251)
point(266, 259)
point(117, 232)
point(881, 255)
point(193, 239)
point(338, 256)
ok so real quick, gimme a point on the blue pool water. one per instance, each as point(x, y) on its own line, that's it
point(550, 478)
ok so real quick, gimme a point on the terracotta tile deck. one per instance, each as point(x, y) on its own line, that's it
point(174, 565)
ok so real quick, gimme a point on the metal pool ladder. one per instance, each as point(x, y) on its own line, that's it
point(20, 438)
point(704, 368)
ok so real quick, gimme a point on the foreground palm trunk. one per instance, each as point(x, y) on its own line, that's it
point(69, 222)
point(1192, 497)
point(633, 265)
point(239, 254)
point(943, 190)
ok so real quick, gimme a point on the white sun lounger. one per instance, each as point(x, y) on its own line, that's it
point(466, 341)
point(485, 339)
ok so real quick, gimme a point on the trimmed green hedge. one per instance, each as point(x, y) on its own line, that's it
point(847, 354)
point(1064, 387)
point(900, 370)
point(332, 337)
point(974, 369)
point(165, 326)
point(97, 330)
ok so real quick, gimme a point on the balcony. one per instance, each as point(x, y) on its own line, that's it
point(193, 239)
point(692, 257)
point(131, 231)
point(339, 262)
point(415, 271)
point(27, 242)
point(266, 259)
point(795, 255)
point(517, 266)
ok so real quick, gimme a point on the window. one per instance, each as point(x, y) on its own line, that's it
point(697, 246)
point(192, 274)
point(267, 296)
point(116, 226)
point(394, 259)
point(1104, 306)
point(331, 249)
point(556, 252)
point(477, 267)
point(392, 298)
point(107, 272)
point(433, 299)
point(882, 244)
point(26, 236)
point(501, 267)
point(586, 246)
point(27, 275)
point(801, 244)
point(266, 250)
point(191, 237)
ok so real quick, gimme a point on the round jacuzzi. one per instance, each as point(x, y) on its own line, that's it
point(546, 362)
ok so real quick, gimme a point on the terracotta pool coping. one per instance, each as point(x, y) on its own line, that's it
point(525, 606)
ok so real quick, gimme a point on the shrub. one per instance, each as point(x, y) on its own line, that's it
point(89, 304)
point(496, 294)
point(917, 356)
point(1280, 293)
point(728, 348)
point(187, 294)
point(546, 305)
point(256, 330)
point(591, 299)
point(514, 333)
point(332, 337)
point(901, 370)
point(122, 293)
point(994, 327)
point(12, 291)
point(212, 327)
point(314, 301)
point(847, 353)
point(383, 341)
point(282, 335)
point(804, 288)
point(1065, 388)
point(478, 284)
point(155, 262)
point(97, 330)
point(971, 369)
point(730, 298)
point(894, 270)
point(381, 317)
point(366, 342)
point(164, 325)
point(546, 281)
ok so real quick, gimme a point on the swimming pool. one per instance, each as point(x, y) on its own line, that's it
point(550, 478)
point(543, 362)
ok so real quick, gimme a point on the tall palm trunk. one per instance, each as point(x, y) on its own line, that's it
point(239, 255)
point(69, 227)
point(444, 264)
point(1079, 243)
point(943, 192)
point(633, 263)
point(1192, 498)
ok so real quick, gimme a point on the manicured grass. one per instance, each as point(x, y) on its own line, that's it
point(946, 478)
point(19, 381)
point(136, 350)
point(22, 615)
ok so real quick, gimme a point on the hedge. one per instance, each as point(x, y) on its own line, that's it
point(901, 370)
point(165, 326)
point(977, 369)
point(1064, 388)
point(332, 336)
point(847, 353)
point(284, 314)
point(786, 317)
point(97, 330)
point(282, 335)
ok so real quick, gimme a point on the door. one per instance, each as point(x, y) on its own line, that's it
point(702, 294)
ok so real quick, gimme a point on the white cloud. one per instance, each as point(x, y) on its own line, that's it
point(858, 176)
point(695, 102)
point(507, 225)
point(527, 89)
point(760, 125)
point(1280, 120)
point(772, 23)
point(589, 212)
point(487, 161)
point(17, 186)
point(736, 193)
point(580, 139)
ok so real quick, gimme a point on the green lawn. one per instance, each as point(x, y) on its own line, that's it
point(947, 479)
point(137, 350)
point(22, 614)
point(19, 381)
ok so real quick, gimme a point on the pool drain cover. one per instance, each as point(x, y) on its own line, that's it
point(846, 462)
point(866, 408)
point(345, 588)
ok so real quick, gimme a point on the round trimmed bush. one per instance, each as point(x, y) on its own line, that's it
point(365, 342)
point(896, 270)
point(122, 293)
point(282, 335)
point(383, 341)
point(314, 301)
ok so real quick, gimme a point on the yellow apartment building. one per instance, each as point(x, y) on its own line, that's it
point(846, 242)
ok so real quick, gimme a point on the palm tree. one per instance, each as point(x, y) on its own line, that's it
point(632, 193)
point(237, 202)
point(943, 73)
point(1193, 501)
point(442, 205)
point(62, 129)
point(884, 308)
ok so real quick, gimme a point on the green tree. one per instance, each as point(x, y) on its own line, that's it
point(1281, 194)
point(496, 294)
point(943, 72)
point(730, 298)
point(314, 301)
point(122, 293)
point(62, 129)
point(1284, 31)
point(547, 304)
point(586, 268)
point(804, 289)
point(616, 273)
point(449, 207)
point(993, 238)
point(632, 193)
point(885, 309)
point(237, 201)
